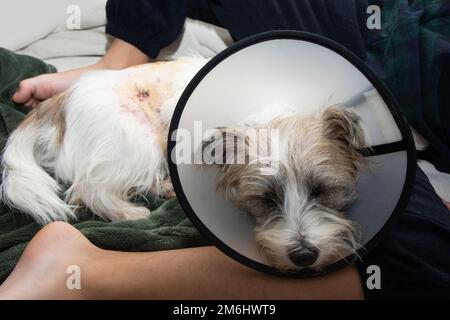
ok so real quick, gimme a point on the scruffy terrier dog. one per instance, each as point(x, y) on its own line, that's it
point(103, 142)
point(299, 204)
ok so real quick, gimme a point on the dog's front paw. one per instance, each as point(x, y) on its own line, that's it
point(165, 190)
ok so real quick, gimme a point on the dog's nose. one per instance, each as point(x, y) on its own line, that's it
point(304, 256)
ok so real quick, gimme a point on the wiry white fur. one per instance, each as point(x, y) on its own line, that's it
point(334, 236)
point(109, 152)
point(26, 185)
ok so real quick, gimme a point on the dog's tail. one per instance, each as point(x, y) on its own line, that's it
point(26, 185)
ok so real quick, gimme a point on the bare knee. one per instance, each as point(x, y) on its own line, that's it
point(55, 234)
point(58, 229)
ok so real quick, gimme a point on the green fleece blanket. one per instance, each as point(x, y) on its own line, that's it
point(166, 228)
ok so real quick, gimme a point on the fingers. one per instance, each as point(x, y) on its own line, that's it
point(25, 92)
point(32, 103)
point(33, 91)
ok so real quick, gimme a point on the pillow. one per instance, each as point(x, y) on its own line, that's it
point(23, 22)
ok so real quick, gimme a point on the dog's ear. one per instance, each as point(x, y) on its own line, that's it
point(225, 146)
point(343, 126)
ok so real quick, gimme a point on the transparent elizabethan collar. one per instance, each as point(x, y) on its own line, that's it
point(308, 77)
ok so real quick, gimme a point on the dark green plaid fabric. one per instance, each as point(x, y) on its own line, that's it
point(411, 53)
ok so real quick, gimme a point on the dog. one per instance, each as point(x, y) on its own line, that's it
point(298, 205)
point(103, 141)
point(97, 145)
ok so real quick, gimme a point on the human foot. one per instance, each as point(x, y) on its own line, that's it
point(50, 262)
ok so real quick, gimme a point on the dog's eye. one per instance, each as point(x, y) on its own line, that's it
point(317, 190)
point(269, 202)
point(273, 196)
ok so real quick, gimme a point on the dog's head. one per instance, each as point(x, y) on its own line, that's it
point(298, 191)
